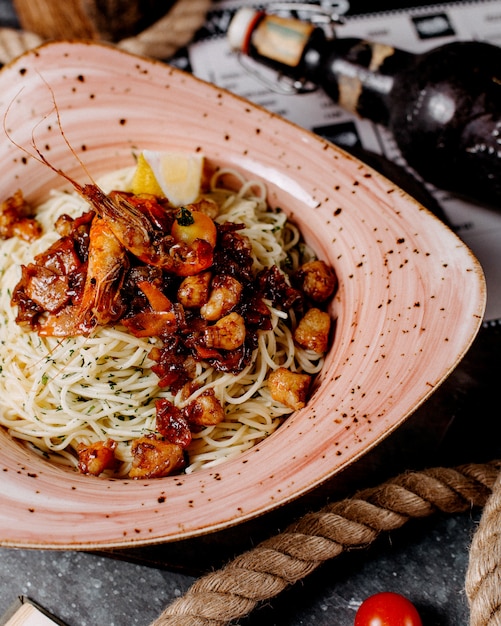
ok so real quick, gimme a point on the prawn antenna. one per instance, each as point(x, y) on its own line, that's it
point(39, 156)
point(63, 134)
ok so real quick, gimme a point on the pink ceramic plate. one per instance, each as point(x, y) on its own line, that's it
point(410, 300)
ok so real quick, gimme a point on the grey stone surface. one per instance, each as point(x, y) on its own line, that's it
point(427, 563)
point(87, 589)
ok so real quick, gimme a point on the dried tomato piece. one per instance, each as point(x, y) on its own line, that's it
point(171, 423)
point(44, 287)
point(274, 287)
point(61, 258)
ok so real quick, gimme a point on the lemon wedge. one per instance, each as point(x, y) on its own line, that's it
point(174, 175)
point(144, 180)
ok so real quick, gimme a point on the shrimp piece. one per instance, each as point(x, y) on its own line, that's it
point(205, 410)
point(154, 458)
point(190, 259)
point(289, 388)
point(16, 219)
point(313, 329)
point(173, 423)
point(96, 457)
point(205, 205)
point(193, 292)
point(228, 333)
point(317, 279)
point(224, 295)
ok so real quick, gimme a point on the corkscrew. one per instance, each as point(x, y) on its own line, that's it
point(325, 17)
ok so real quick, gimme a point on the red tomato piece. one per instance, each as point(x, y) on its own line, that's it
point(387, 609)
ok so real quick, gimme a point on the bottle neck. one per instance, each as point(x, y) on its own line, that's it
point(360, 75)
point(357, 74)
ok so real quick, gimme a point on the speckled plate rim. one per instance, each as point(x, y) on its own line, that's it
point(419, 290)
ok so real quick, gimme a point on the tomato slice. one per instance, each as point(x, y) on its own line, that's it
point(387, 609)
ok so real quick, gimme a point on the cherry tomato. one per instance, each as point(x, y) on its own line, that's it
point(387, 609)
point(190, 225)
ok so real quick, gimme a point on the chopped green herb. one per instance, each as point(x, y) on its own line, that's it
point(184, 217)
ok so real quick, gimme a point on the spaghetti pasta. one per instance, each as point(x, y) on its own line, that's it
point(57, 393)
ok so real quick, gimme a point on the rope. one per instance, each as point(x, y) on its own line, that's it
point(173, 31)
point(483, 576)
point(220, 597)
point(14, 42)
point(161, 40)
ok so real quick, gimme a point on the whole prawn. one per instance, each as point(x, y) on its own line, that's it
point(100, 302)
point(123, 224)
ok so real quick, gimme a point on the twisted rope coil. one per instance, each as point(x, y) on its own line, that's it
point(483, 576)
point(14, 42)
point(161, 40)
point(220, 597)
point(173, 31)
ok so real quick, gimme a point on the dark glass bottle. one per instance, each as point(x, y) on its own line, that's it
point(443, 107)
